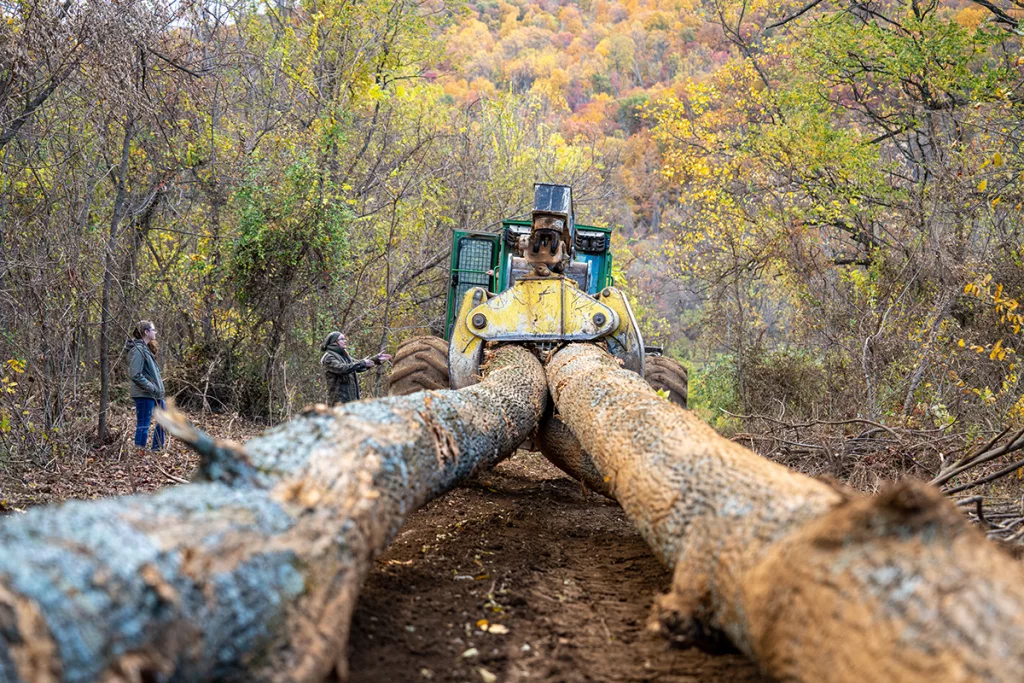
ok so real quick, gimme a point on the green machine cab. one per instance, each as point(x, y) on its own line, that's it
point(484, 259)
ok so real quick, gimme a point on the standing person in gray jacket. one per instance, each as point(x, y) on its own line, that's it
point(341, 369)
point(147, 387)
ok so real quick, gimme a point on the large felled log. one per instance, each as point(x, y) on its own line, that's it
point(253, 575)
point(559, 445)
point(811, 582)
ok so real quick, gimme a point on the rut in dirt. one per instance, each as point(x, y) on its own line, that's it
point(525, 548)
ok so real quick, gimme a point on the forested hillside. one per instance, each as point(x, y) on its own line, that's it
point(818, 207)
point(835, 186)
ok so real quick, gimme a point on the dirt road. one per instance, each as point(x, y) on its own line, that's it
point(519, 576)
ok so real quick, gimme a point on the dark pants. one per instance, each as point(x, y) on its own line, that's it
point(143, 416)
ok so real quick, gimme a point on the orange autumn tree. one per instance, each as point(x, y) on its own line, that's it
point(842, 178)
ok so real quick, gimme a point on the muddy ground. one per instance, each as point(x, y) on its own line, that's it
point(521, 549)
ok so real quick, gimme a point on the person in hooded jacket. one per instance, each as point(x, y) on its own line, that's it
point(341, 370)
point(146, 384)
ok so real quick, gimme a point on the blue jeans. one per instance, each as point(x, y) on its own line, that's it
point(143, 416)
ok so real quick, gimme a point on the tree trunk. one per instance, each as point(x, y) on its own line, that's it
point(559, 445)
point(811, 582)
point(940, 311)
point(108, 280)
point(253, 574)
point(4, 322)
point(15, 125)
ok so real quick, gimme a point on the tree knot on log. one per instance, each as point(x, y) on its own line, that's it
point(163, 590)
point(221, 461)
point(905, 509)
point(228, 465)
point(685, 623)
point(316, 409)
point(445, 446)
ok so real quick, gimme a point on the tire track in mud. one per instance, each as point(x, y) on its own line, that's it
point(524, 548)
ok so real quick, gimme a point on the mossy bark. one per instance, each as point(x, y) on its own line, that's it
point(812, 582)
point(253, 574)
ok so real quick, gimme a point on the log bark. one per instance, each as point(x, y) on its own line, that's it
point(812, 582)
point(254, 573)
point(561, 447)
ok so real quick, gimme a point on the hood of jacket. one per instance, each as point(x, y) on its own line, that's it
point(334, 348)
point(330, 340)
point(132, 343)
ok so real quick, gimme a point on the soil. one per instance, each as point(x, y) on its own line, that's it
point(520, 575)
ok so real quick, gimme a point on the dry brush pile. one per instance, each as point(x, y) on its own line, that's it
point(866, 455)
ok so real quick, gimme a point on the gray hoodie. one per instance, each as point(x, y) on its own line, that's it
point(143, 371)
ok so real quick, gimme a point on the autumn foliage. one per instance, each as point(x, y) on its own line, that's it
point(818, 207)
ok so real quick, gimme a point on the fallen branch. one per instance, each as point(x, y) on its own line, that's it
point(170, 477)
point(989, 452)
point(253, 574)
point(811, 423)
point(811, 582)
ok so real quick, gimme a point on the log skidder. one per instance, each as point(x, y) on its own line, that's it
point(812, 582)
point(253, 574)
point(542, 283)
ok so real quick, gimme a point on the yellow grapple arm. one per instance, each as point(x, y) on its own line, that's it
point(542, 311)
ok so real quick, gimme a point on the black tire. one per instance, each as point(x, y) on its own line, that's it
point(662, 372)
point(420, 364)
